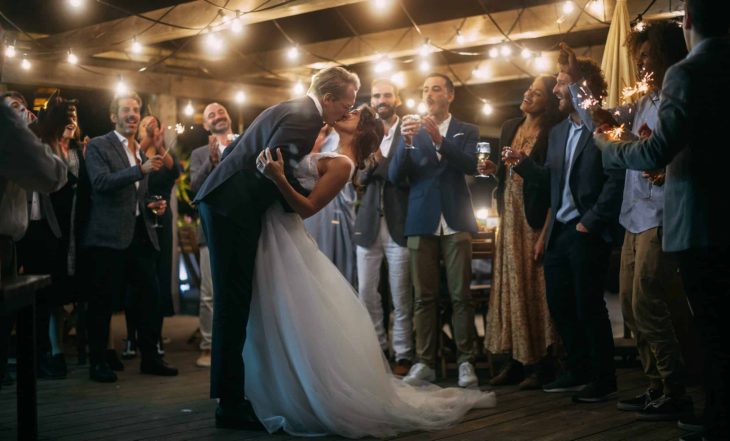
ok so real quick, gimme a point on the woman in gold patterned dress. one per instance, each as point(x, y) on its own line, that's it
point(518, 321)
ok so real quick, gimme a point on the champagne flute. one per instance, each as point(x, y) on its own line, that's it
point(155, 198)
point(412, 118)
point(483, 151)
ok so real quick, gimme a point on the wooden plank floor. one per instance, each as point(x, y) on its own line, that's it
point(141, 407)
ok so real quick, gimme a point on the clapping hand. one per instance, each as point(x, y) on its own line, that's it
point(432, 128)
point(215, 153)
point(152, 164)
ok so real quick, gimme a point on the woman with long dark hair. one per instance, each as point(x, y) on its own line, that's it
point(518, 320)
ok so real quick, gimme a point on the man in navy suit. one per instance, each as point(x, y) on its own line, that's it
point(231, 202)
point(439, 223)
point(690, 141)
point(585, 201)
point(121, 240)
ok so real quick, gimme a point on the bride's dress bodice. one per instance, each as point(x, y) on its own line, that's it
point(307, 172)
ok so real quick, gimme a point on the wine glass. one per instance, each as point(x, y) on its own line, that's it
point(483, 151)
point(155, 208)
point(412, 118)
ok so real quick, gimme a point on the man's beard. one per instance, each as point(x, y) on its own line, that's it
point(220, 131)
point(385, 112)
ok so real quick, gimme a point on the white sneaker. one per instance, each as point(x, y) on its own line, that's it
point(420, 373)
point(467, 376)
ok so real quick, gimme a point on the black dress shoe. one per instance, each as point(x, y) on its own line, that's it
point(110, 356)
point(640, 401)
point(157, 366)
point(102, 373)
point(238, 415)
point(596, 392)
point(48, 369)
point(666, 408)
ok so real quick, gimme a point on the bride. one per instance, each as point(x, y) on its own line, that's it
point(314, 364)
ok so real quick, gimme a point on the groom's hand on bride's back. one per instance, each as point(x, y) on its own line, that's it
point(273, 164)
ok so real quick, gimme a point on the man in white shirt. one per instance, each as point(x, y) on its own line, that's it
point(379, 227)
point(121, 240)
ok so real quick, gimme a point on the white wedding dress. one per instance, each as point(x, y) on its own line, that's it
point(313, 362)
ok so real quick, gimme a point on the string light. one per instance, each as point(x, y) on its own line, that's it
point(425, 49)
point(76, 4)
point(179, 128)
point(240, 97)
point(487, 109)
point(541, 63)
point(424, 66)
point(380, 5)
point(72, 58)
point(298, 88)
point(526, 53)
point(460, 39)
point(410, 103)
point(10, 51)
point(25, 64)
point(480, 72)
point(121, 87)
point(383, 65)
point(493, 52)
point(237, 24)
point(399, 79)
point(640, 25)
point(422, 108)
point(596, 6)
point(214, 42)
point(568, 7)
point(505, 50)
point(189, 110)
point(136, 46)
point(292, 53)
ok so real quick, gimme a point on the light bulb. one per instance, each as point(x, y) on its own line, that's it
point(76, 4)
point(568, 7)
point(240, 97)
point(10, 51)
point(487, 109)
point(384, 65)
point(298, 88)
point(410, 103)
point(424, 66)
point(493, 52)
point(25, 64)
point(189, 110)
point(640, 26)
point(460, 38)
point(136, 47)
point(380, 4)
point(541, 63)
point(505, 50)
point(424, 50)
point(214, 42)
point(121, 88)
point(480, 72)
point(597, 7)
point(292, 53)
point(526, 53)
point(72, 58)
point(422, 108)
point(236, 25)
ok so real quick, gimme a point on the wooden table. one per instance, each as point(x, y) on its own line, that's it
point(17, 296)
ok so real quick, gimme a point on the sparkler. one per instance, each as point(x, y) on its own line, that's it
point(629, 94)
point(615, 133)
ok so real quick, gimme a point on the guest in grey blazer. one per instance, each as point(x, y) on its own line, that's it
point(690, 141)
point(379, 229)
point(202, 161)
point(121, 240)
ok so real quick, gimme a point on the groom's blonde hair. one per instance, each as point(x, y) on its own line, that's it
point(333, 80)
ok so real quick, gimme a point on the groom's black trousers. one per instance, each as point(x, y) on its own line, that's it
point(232, 241)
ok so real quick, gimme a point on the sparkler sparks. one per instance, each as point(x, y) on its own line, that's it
point(615, 133)
point(629, 94)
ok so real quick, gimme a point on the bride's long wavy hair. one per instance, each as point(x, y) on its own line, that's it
point(369, 134)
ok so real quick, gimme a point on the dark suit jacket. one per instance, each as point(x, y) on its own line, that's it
point(394, 202)
point(114, 198)
point(597, 192)
point(47, 212)
point(438, 186)
point(536, 201)
point(292, 126)
point(690, 140)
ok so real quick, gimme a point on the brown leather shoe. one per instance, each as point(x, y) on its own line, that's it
point(402, 367)
point(531, 382)
point(511, 373)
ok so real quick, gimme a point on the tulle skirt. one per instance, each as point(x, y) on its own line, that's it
point(313, 362)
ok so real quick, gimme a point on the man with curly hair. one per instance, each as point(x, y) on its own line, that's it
point(585, 201)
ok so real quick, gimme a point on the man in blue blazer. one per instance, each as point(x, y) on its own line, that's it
point(439, 223)
point(231, 202)
point(121, 240)
point(585, 201)
point(689, 140)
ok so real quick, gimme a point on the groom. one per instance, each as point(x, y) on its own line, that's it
point(231, 203)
